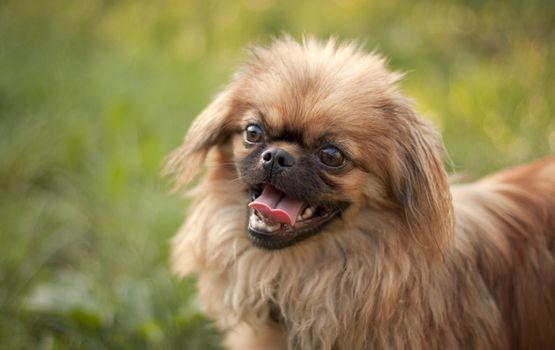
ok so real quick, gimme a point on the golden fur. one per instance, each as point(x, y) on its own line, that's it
point(412, 264)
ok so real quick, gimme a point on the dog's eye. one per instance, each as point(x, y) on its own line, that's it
point(331, 156)
point(253, 134)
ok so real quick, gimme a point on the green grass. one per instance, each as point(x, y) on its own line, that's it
point(94, 94)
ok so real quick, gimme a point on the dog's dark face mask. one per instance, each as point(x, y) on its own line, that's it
point(292, 190)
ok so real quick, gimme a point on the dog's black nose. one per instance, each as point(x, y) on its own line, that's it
point(277, 159)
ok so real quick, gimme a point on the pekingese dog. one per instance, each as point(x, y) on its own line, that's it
point(324, 218)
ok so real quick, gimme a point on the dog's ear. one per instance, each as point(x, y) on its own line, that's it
point(211, 127)
point(419, 180)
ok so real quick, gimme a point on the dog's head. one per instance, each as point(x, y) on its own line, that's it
point(319, 133)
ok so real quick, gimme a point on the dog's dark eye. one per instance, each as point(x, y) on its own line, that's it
point(331, 156)
point(253, 134)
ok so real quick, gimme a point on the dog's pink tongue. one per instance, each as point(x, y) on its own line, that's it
point(277, 206)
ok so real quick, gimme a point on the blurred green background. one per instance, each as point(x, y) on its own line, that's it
point(93, 94)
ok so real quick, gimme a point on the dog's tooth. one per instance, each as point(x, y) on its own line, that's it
point(253, 220)
point(308, 212)
point(257, 223)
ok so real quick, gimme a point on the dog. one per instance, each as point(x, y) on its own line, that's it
point(324, 217)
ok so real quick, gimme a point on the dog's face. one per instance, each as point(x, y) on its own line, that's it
point(299, 176)
point(319, 135)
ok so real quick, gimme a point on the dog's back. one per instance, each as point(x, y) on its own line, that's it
point(506, 222)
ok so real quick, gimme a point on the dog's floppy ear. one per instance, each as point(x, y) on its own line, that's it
point(419, 180)
point(210, 128)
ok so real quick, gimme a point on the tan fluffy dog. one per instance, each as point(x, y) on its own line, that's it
point(325, 220)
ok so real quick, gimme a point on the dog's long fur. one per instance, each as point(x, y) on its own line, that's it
point(412, 264)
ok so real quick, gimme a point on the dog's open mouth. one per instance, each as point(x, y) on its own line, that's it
point(277, 220)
